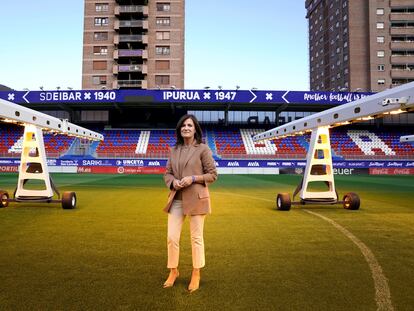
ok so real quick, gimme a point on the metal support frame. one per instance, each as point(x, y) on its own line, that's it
point(319, 167)
point(33, 164)
point(393, 101)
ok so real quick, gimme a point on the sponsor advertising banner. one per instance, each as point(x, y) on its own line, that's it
point(337, 171)
point(135, 166)
point(120, 170)
point(391, 171)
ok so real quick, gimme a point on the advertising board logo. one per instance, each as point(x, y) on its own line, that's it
point(272, 163)
point(118, 162)
point(409, 164)
point(286, 163)
point(356, 164)
point(89, 162)
point(343, 171)
point(299, 170)
point(154, 163)
point(376, 164)
point(394, 164)
point(133, 162)
point(339, 164)
point(234, 163)
point(402, 171)
point(379, 171)
point(217, 164)
point(255, 163)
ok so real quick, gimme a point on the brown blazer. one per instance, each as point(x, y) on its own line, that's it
point(198, 161)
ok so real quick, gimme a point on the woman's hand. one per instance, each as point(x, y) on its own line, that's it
point(186, 181)
point(177, 184)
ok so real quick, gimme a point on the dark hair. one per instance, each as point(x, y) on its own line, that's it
point(198, 135)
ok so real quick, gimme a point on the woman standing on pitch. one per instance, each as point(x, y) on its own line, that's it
point(190, 168)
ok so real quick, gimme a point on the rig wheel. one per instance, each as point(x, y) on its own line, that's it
point(283, 202)
point(3, 198)
point(351, 201)
point(69, 200)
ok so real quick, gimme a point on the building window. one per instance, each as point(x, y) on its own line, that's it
point(100, 50)
point(101, 7)
point(162, 80)
point(163, 21)
point(100, 36)
point(163, 35)
point(99, 65)
point(380, 53)
point(380, 11)
point(99, 80)
point(162, 64)
point(101, 21)
point(381, 67)
point(162, 50)
point(380, 39)
point(381, 81)
point(163, 7)
point(345, 44)
point(380, 25)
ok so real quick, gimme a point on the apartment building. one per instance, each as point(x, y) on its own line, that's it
point(133, 44)
point(357, 45)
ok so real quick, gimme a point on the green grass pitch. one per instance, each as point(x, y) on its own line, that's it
point(110, 252)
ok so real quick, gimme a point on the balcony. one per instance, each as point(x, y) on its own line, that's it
point(401, 3)
point(131, 9)
point(402, 74)
point(402, 31)
point(130, 38)
point(401, 45)
point(130, 53)
point(401, 16)
point(409, 59)
point(131, 24)
point(130, 83)
point(129, 68)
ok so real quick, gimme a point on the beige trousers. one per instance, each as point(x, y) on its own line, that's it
point(175, 224)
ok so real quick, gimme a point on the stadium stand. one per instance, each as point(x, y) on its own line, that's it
point(11, 137)
point(347, 143)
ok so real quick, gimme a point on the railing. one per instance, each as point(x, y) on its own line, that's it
point(129, 53)
point(129, 83)
point(130, 38)
point(131, 9)
point(138, 23)
point(129, 68)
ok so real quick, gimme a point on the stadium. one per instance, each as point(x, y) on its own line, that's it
point(107, 250)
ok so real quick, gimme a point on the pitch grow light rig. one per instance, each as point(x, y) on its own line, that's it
point(33, 165)
point(319, 157)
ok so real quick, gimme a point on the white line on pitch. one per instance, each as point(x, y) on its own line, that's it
point(382, 290)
